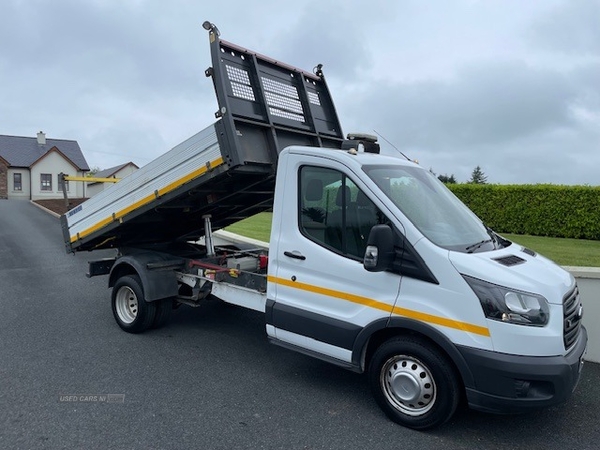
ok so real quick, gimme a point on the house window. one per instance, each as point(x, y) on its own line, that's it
point(17, 182)
point(46, 181)
point(60, 182)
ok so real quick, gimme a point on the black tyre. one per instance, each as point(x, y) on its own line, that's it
point(414, 383)
point(131, 311)
point(164, 308)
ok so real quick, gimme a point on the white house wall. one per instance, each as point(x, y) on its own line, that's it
point(95, 188)
point(53, 163)
point(25, 191)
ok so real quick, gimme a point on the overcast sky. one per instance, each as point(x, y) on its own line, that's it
point(511, 86)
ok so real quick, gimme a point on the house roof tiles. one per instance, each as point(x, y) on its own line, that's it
point(112, 171)
point(107, 173)
point(21, 151)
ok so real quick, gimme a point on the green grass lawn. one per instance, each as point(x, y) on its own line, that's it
point(255, 227)
point(566, 252)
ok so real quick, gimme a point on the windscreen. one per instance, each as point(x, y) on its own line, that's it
point(432, 208)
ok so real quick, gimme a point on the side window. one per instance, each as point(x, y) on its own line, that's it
point(17, 182)
point(334, 212)
point(46, 182)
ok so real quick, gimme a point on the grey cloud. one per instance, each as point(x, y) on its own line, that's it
point(586, 78)
point(452, 85)
point(517, 122)
point(90, 70)
point(571, 27)
point(491, 104)
point(346, 51)
point(86, 42)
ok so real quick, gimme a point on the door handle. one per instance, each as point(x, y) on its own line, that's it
point(295, 254)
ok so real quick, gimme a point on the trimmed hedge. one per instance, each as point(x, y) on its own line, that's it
point(538, 210)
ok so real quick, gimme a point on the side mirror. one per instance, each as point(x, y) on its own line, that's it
point(380, 249)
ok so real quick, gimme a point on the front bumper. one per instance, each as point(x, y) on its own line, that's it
point(514, 384)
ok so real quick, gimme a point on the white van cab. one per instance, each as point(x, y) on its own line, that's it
point(376, 265)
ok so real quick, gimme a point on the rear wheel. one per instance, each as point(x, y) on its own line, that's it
point(414, 383)
point(164, 308)
point(132, 313)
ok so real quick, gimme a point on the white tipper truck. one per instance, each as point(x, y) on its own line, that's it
point(373, 264)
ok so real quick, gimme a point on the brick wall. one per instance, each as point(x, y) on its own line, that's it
point(3, 180)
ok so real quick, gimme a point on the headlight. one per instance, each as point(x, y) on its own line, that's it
point(509, 305)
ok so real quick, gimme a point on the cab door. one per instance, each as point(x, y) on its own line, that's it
point(321, 296)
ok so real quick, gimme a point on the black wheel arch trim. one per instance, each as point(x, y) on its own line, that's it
point(352, 337)
point(403, 323)
point(157, 284)
point(320, 327)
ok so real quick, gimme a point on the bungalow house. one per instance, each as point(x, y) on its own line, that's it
point(114, 172)
point(29, 167)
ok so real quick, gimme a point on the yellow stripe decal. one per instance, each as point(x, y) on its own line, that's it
point(165, 190)
point(429, 318)
point(423, 317)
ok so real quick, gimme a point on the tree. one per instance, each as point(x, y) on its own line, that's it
point(93, 171)
point(447, 179)
point(477, 176)
point(443, 178)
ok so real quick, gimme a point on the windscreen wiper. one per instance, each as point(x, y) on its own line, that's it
point(472, 248)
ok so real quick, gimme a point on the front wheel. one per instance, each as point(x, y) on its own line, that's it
point(131, 311)
point(414, 383)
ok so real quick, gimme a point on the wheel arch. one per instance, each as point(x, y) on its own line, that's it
point(374, 334)
point(157, 284)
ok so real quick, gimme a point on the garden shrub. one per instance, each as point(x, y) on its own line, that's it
point(538, 210)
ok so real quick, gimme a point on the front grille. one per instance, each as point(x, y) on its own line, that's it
point(572, 313)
